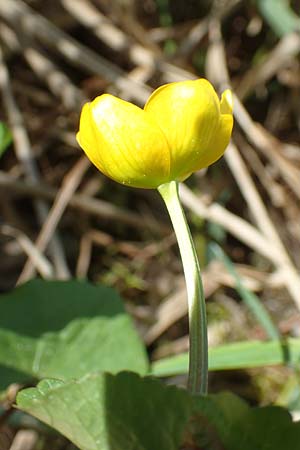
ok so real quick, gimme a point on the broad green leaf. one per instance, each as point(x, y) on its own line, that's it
point(106, 412)
point(65, 330)
point(125, 411)
point(270, 427)
point(5, 138)
point(212, 420)
point(240, 427)
point(238, 355)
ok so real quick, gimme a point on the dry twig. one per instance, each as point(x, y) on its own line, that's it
point(84, 203)
point(240, 172)
point(24, 155)
point(38, 260)
point(69, 186)
point(21, 16)
point(59, 83)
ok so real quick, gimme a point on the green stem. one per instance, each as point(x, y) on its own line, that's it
point(198, 361)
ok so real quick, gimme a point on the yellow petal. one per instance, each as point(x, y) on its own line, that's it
point(86, 136)
point(124, 142)
point(223, 134)
point(226, 104)
point(189, 114)
point(218, 144)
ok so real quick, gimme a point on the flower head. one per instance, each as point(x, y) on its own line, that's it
point(182, 128)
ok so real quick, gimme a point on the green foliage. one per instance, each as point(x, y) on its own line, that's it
point(240, 427)
point(74, 333)
point(107, 412)
point(5, 138)
point(103, 412)
point(279, 15)
point(237, 355)
point(49, 329)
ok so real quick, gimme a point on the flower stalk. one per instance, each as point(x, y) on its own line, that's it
point(198, 353)
point(183, 127)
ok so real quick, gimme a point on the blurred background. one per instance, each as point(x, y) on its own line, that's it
point(60, 218)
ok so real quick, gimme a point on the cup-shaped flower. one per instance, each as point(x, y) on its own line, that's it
point(182, 128)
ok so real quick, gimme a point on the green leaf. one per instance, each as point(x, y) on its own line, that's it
point(65, 330)
point(265, 428)
point(210, 426)
point(106, 412)
point(240, 427)
point(238, 355)
point(5, 138)
point(125, 411)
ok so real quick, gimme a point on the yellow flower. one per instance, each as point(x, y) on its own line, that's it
point(182, 128)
